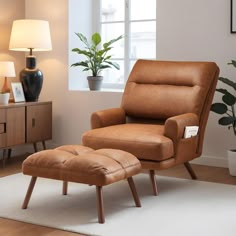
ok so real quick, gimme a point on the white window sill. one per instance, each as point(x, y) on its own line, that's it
point(103, 90)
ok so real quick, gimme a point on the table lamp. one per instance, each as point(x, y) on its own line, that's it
point(30, 35)
point(7, 69)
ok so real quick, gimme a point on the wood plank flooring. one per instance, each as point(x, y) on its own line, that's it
point(15, 228)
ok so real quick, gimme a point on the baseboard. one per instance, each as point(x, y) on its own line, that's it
point(203, 160)
point(29, 148)
point(211, 161)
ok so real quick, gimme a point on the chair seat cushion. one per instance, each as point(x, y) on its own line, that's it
point(142, 140)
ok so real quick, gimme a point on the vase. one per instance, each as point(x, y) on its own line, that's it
point(4, 98)
point(95, 82)
point(31, 79)
point(232, 162)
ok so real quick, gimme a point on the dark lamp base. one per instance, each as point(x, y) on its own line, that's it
point(31, 79)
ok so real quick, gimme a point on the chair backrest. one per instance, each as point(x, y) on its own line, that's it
point(162, 89)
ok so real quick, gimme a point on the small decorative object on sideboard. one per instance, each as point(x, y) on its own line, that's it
point(4, 98)
point(226, 108)
point(30, 35)
point(7, 69)
point(17, 91)
point(96, 58)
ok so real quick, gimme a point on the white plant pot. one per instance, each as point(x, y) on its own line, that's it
point(4, 98)
point(232, 162)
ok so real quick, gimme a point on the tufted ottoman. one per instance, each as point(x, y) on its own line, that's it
point(80, 164)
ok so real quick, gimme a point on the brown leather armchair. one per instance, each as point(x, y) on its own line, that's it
point(160, 99)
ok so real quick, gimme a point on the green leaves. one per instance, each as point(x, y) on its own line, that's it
point(233, 62)
point(228, 82)
point(96, 38)
point(83, 39)
point(226, 107)
point(219, 108)
point(96, 57)
point(226, 120)
point(106, 45)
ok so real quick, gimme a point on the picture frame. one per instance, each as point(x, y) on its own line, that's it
point(233, 16)
point(17, 91)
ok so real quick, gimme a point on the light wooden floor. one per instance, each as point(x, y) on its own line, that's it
point(15, 228)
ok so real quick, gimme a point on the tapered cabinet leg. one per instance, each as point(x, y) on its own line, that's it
point(9, 153)
point(153, 182)
point(64, 187)
point(134, 192)
point(190, 170)
point(44, 145)
point(100, 205)
point(29, 192)
point(4, 152)
point(35, 147)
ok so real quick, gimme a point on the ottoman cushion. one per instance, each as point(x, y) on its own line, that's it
point(77, 163)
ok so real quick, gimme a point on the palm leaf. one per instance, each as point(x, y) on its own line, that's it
point(219, 108)
point(226, 120)
point(107, 44)
point(96, 38)
point(233, 62)
point(114, 64)
point(228, 82)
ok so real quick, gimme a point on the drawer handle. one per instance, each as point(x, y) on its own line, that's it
point(3, 128)
point(33, 122)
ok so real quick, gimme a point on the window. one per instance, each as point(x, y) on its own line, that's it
point(136, 20)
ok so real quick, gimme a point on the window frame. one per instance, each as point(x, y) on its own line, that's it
point(97, 26)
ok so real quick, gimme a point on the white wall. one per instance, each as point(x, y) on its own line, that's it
point(200, 30)
point(82, 24)
point(187, 30)
point(10, 10)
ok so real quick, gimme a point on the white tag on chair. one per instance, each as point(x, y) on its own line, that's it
point(190, 131)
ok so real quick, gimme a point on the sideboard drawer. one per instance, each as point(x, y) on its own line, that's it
point(2, 140)
point(2, 115)
point(2, 128)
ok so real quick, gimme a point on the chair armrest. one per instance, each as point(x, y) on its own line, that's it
point(108, 117)
point(174, 126)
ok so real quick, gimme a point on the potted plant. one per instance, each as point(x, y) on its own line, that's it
point(96, 58)
point(4, 97)
point(227, 110)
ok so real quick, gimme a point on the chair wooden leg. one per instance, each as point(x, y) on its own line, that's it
point(100, 205)
point(134, 192)
point(153, 181)
point(29, 192)
point(190, 170)
point(64, 187)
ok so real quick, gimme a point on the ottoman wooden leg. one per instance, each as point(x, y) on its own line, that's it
point(64, 187)
point(134, 192)
point(29, 192)
point(100, 206)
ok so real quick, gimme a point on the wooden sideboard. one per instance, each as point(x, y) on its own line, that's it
point(23, 123)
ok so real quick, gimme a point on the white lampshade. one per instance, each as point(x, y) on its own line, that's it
point(30, 34)
point(7, 69)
